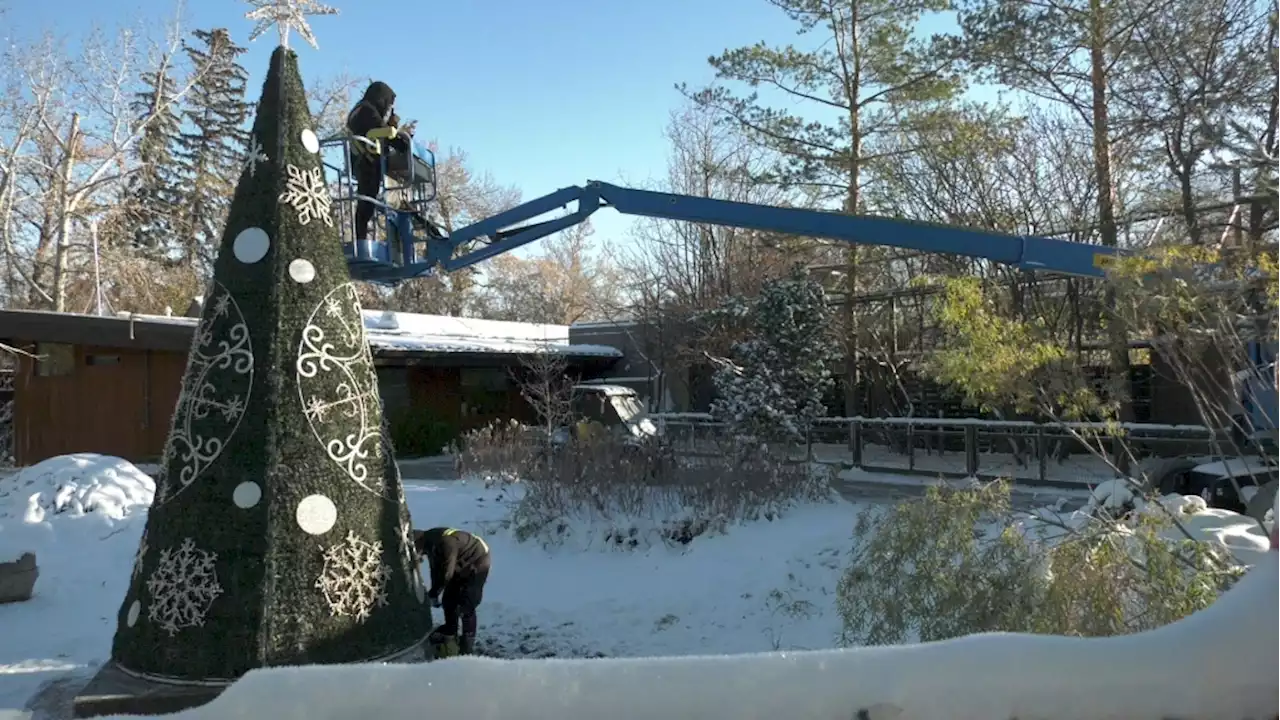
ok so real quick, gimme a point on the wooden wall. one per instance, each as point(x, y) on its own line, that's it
point(89, 399)
point(120, 401)
point(466, 398)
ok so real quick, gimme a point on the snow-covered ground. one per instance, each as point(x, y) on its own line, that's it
point(760, 587)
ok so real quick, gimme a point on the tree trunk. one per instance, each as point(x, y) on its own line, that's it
point(852, 367)
point(1117, 334)
point(63, 249)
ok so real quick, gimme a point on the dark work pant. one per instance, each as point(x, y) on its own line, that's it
point(368, 175)
point(460, 599)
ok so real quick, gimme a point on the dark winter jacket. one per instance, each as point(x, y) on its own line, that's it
point(373, 111)
point(372, 116)
point(451, 553)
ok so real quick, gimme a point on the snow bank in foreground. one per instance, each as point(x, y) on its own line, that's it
point(1136, 677)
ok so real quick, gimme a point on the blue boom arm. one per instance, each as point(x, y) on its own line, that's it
point(505, 234)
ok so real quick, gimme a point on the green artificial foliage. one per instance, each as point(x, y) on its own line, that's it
point(279, 533)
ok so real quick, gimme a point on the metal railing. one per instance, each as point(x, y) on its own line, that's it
point(1069, 454)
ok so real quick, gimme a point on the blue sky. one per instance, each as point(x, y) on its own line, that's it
point(539, 93)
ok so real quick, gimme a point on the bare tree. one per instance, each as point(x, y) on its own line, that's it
point(77, 153)
point(562, 283)
point(546, 386)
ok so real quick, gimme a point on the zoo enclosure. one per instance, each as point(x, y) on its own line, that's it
point(1026, 452)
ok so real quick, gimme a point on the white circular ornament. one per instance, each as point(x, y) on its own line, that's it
point(316, 514)
point(310, 141)
point(251, 245)
point(246, 495)
point(302, 271)
point(134, 610)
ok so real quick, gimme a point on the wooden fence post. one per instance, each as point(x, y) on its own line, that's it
point(855, 442)
point(971, 449)
point(911, 446)
point(1042, 452)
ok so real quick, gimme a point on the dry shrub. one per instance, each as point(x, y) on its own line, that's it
point(958, 561)
point(641, 495)
point(496, 454)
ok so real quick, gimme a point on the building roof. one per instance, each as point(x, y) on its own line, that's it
point(390, 334)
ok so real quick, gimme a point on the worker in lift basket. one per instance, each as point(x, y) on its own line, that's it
point(374, 118)
point(459, 569)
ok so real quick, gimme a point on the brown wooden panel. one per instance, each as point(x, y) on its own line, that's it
point(165, 376)
point(437, 390)
point(97, 407)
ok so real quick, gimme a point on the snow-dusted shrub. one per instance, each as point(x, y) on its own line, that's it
point(775, 380)
point(959, 561)
point(499, 453)
point(638, 491)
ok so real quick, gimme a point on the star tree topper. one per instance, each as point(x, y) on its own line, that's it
point(286, 15)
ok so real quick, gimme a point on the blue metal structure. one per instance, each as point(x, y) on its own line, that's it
point(411, 246)
point(391, 261)
point(401, 208)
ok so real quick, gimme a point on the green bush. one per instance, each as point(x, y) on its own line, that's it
point(417, 433)
point(957, 562)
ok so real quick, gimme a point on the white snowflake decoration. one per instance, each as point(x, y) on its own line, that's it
point(183, 587)
point(216, 390)
point(306, 192)
point(406, 542)
point(354, 578)
point(139, 556)
point(253, 155)
point(338, 389)
point(286, 15)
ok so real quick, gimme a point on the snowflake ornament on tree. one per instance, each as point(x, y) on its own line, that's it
point(183, 587)
point(354, 579)
point(140, 556)
point(307, 193)
point(286, 15)
point(253, 155)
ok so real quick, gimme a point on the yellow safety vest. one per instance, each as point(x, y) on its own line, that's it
point(483, 544)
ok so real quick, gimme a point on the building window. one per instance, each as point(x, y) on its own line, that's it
point(98, 360)
point(55, 359)
point(484, 379)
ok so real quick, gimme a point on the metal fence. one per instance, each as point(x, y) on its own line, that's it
point(1042, 453)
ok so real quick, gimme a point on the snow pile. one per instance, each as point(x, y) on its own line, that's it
point(83, 516)
point(71, 486)
point(1138, 677)
point(1244, 537)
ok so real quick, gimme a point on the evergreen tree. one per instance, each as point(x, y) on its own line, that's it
point(211, 150)
point(151, 196)
point(782, 371)
point(279, 534)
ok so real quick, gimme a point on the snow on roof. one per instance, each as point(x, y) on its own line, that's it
point(412, 332)
point(605, 324)
point(608, 390)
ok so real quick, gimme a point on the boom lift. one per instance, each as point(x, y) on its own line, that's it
point(413, 247)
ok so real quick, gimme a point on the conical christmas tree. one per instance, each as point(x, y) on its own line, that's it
point(279, 533)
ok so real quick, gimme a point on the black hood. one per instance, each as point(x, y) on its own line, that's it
point(380, 96)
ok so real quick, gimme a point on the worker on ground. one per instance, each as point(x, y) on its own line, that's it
point(459, 569)
point(374, 118)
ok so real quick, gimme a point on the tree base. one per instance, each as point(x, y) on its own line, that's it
point(112, 691)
